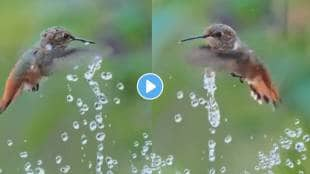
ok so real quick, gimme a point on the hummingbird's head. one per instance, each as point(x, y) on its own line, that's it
point(219, 37)
point(57, 37)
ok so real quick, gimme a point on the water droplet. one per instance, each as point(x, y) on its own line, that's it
point(83, 139)
point(98, 106)
point(106, 75)
point(223, 169)
point(228, 139)
point(79, 102)
point(120, 86)
point(75, 125)
point(100, 147)
point(92, 125)
point(99, 118)
point(136, 144)
point(64, 136)
point(27, 166)
point(116, 100)
point(289, 163)
point(145, 135)
point(70, 98)
point(180, 95)
point(39, 162)
point(133, 155)
point(72, 77)
point(100, 136)
point(39, 170)
point(58, 159)
point(177, 118)
point(300, 147)
point(192, 95)
point(187, 171)
point(65, 169)
point(306, 138)
point(195, 103)
point(10, 142)
point(23, 154)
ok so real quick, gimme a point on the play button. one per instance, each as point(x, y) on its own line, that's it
point(150, 86)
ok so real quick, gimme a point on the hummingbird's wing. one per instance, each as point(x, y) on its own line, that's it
point(204, 56)
point(244, 64)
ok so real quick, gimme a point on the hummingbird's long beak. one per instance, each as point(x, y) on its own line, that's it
point(195, 37)
point(83, 40)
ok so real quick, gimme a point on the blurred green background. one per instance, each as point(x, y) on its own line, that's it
point(143, 37)
point(279, 33)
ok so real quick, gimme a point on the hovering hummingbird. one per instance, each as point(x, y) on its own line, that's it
point(38, 62)
point(225, 51)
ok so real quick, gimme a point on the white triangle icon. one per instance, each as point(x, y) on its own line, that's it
point(149, 86)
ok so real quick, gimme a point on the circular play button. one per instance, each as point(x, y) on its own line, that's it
point(150, 86)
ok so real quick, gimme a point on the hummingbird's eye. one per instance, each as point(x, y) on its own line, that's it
point(217, 34)
point(66, 36)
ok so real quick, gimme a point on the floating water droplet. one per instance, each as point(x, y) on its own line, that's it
point(228, 139)
point(64, 136)
point(192, 95)
point(289, 163)
point(187, 171)
point(65, 169)
point(145, 135)
point(23, 154)
point(39, 170)
point(99, 118)
point(306, 138)
point(92, 125)
point(106, 75)
point(300, 147)
point(202, 101)
point(290, 133)
point(70, 98)
point(98, 106)
point(83, 139)
point(133, 155)
point(212, 171)
point(79, 102)
point(100, 147)
point(177, 118)
point(27, 166)
point(297, 121)
point(169, 160)
point(72, 77)
point(39, 162)
point(136, 144)
point(10, 142)
point(223, 169)
point(120, 86)
point(100, 136)
point(58, 159)
point(117, 100)
point(75, 125)
point(180, 95)
point(195, 103)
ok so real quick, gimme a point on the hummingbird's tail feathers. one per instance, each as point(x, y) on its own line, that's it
point(262, 90)
point(11, 90)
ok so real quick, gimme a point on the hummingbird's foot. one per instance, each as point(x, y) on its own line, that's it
point(35, 88)
point(239, 76)
point(241, 79)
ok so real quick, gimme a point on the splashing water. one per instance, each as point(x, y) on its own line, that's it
point(293, 139)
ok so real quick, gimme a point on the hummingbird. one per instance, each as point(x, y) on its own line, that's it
point(224, 51)
point(38, 62)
